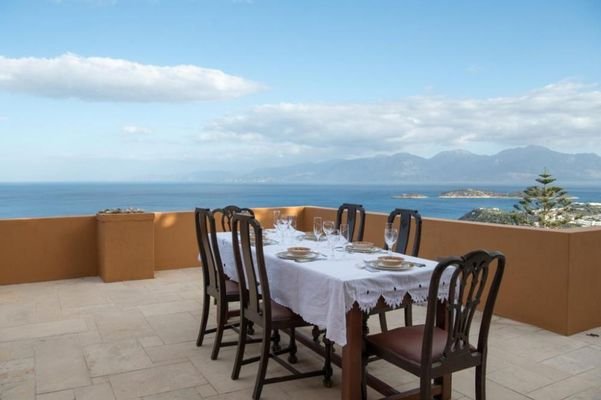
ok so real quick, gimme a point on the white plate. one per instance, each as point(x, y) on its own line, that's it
point(287, 256)
point(405, 266)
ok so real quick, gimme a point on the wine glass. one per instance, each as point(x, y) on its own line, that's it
point(276, 217)
point(344, 235)
point(317, 227)
point(283, 224)
point(390, 237)
point(328, 227)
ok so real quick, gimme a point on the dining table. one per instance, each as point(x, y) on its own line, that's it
point(335, 289)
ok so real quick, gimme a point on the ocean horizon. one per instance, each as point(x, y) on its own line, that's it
point(23, 200)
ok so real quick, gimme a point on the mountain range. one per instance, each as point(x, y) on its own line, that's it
point(516, 165)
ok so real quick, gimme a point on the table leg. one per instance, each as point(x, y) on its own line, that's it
point(351, 355)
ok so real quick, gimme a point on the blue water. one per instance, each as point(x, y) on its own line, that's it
point(54, 199)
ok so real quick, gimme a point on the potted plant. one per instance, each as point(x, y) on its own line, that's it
point(125, 244)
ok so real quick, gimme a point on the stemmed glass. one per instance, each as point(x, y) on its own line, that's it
point(276, 217)
point(283, 224)
point(317, 228)
point(390, 237)
point(328, 227)
point(344, 236)
point(292, 226)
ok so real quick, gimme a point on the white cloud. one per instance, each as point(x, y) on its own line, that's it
point(135, 130)
point(110, 79)
point(564, 116)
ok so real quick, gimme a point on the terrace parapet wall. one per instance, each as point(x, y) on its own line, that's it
point(552, 279)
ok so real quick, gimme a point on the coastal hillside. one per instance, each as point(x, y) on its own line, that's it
point(513, 166)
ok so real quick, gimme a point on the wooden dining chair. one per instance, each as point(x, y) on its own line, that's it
point(216, 285)
point(227, 213)
point(406, 218)
point(257, 306)
point(430, 352)
point(354, 216)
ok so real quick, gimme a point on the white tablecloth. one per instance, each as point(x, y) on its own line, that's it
point(323, 291)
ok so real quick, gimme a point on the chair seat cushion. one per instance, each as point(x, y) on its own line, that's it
point(280, 313)
point(406, 342)
point(231, 288)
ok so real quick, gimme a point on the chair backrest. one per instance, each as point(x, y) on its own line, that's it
point(227, 213)
point(355, 214)
point(250, 265)
point(466, 279)
point(406, 217)
point(206, 236)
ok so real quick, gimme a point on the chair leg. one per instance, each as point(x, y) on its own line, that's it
point(315, 333)
point(251, 328)
point(262, 364)
point(292, 347)
point(221, 321)
point(203, 320)
point(383, 323)
point(481, 382)
point(408, 315)
point(327, 366)
point(276, 341)
point(425, 388)
point(240, 349)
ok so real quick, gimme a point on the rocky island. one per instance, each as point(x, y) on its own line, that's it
point(478, 194)
point(410, 196)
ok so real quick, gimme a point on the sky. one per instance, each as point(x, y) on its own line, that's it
point(143, 90)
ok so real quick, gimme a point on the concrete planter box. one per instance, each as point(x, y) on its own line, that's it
point(125, 246)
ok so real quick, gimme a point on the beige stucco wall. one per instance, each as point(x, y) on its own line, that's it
point(584, 301)
point(552, 280)
point(43, 249)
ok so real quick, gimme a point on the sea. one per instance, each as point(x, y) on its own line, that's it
point(24, 200)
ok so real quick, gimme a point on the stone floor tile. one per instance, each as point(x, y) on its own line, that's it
point(150, 341)
point(576, 361)
point(171, 307)
point(174, 328)
point(122, 324)
point(16, 349)
point(116, 357)
point(16, 370)
point(103, 391)
point(182, 394)
point(59, 365)
point(82, 297)
point(171, 352)
point(62, 395)
point(589, 394)
point(155, 380)
point(100, 379)
point(23, 390)
point(43, 329)
point(562, 389)
point(539, 345)
point(270, 392)
point(206, 390)
point(519, 379)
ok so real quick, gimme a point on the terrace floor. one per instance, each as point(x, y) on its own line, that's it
point(84, 339)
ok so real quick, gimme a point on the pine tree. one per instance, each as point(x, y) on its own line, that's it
point(543, 205)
